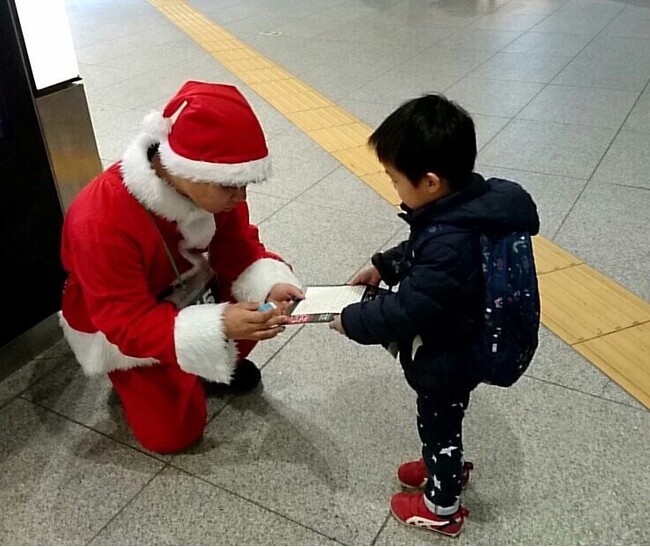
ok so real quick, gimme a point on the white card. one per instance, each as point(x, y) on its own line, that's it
point(329, 299)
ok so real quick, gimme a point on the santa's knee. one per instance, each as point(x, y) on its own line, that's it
point(173, 436)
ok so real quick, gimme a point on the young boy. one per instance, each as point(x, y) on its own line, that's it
point(428, 148)
point(166, 227)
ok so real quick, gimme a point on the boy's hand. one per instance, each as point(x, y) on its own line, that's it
point(243, 322)
point(282, 295)
point(337, 325)
point(367, 276)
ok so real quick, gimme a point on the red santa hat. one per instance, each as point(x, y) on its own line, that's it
point(209, 133)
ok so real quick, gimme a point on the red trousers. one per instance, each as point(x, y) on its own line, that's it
point(165, 406)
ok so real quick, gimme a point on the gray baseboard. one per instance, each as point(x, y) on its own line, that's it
point(29, 345)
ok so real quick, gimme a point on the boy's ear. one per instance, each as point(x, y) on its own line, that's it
point(432, 182)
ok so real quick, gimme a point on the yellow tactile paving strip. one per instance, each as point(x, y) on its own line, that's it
point(580, 303)
point(550, 258)
point(604, 322)
point(618, 355)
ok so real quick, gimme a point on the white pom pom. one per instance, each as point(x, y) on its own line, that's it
point(156, 126)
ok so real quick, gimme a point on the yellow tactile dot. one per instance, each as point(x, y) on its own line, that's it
point(290, 86)
point(579, 303)
point(194, 24)
point(320, 118)
point(625, 357)
point(216, 31)
point(207, 38)
point(251, 63)
point(361, 161)
point(296, 102)
point(252, 77)
point(216, 46)
point(216, 41)
point(234, 54)
point(342, 137)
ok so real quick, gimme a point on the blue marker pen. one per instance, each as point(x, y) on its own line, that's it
point(266, 307)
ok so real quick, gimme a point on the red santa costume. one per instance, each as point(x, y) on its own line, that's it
point(112, 313)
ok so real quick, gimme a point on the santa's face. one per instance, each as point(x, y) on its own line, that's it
point(211, 197)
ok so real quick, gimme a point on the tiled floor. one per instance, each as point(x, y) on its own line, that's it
point(559, 91)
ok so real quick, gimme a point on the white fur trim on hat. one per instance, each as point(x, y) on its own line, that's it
point(256, 281)
point(156, 126)
point(96, 354)
point(224, 174)
point(202, 347)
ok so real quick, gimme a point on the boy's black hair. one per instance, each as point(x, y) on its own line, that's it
point(430, 134)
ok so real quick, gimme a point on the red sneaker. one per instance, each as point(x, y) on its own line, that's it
point(410, 509)
point(414, 474)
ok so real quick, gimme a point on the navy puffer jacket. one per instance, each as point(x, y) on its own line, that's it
point(436, 310)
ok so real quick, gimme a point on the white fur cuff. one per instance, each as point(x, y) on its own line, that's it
point(201, 344)
point(256, 281)
point(224, 174)
point(96, 354)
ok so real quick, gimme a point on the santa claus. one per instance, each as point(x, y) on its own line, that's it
point(166, 272)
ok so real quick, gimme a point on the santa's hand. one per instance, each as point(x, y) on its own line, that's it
point(283, 294)
point(336, 325)
point(243, 322)
point(367, 276)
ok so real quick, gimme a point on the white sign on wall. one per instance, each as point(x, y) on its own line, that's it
point(45, 28)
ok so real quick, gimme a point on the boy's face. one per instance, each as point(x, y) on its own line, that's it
point(211, 197)
point(429, 189)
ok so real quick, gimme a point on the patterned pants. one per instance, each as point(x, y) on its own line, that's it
point(440, 425)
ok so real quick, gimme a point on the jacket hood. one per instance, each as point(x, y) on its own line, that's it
point(487, 206)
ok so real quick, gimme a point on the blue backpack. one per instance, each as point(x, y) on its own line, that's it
point(508, 336)
point(509, 333)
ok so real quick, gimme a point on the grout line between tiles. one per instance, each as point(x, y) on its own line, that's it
point(577, 179)
point(119, 512)
point(603, 396)
point(590, 179)
point(287, 341)
point(341, 210)
point(619, 129)
point(377, 250)
point(381, 529)
point(556, 232)
point(570, 61)
point(557, 84)
point(231, 397)
point(294, 198)
point(18, 394)
point(165, 464)
point(152, 455)
point(575, 390)
point(256, 503)
point(643, 188)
